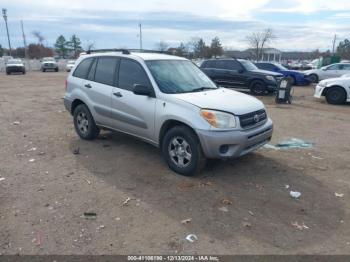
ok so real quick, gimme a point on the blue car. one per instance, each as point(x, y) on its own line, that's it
point(297, 78)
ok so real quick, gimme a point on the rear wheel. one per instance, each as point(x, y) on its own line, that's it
point(84, 123)
point(56, 70)
point(258, 88)
point(292, 80)
point(182, 151)
point(44, 70)
point(336, 95)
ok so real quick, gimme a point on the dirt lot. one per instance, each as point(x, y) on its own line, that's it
point(46, 191)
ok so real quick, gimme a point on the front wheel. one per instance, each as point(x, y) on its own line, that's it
point(182, 151)
point(84, 123)
point(336, 95)
point(313, 78)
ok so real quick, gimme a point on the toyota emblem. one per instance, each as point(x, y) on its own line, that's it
point(256, 118)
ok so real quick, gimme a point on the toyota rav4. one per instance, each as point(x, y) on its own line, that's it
point(166, 101)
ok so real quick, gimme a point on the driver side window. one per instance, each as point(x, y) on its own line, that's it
point(131, 73)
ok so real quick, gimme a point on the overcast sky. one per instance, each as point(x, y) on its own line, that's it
point(298, 24)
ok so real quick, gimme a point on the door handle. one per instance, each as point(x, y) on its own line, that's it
point(88, 86)
point(118, 94)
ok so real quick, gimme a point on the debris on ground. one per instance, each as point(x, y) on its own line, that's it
point(41, 153)
point(39, 239)
point(290, 143)
point(191, 238)
point(295, 194)
point(117, 218)
point(90, 215)
point(298, 226)
point(126, 202)
point(186, 186)
point(223, 209)
point(251, 213)
point(76, 151)
point(317, 157)
point(186, 221)
point(31, 149)
point(16, 123)
point(31, 160)
point(338, 195)
point(247, 225)
point(2, 178)
point(101, 227)
point(106, 145)
point(88, 181)
point(286, 186)
point(226, 201)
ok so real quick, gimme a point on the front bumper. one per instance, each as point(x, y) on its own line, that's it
point(231, 144)
point(318, 91)
point(15, 69)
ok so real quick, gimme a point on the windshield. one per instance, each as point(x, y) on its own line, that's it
point(14, 61)
point(179, 76)
point(48, 59)
point(281, 67)
point(248, 65)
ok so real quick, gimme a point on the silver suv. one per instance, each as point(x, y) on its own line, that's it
point(166, 101)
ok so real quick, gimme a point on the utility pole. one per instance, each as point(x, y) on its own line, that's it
point(24, 40)
point(7, 29)
point(140, 26)
point(335, 39)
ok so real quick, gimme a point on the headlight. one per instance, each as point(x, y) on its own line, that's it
point(271, 78)
point(219, 119)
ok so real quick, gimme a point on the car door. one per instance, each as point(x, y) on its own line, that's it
point(345, 69)
point(332, 71)
point(236, 74)
point(99, 87)
point(133, 114)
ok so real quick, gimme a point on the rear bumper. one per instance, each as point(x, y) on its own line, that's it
point(231, 144)
point(68, 104)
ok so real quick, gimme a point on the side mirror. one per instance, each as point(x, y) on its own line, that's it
point(142, 90)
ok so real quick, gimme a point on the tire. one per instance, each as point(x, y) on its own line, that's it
point(56, 70)
point(292, 80)
point(24, 72)
point(8, 73)
point(313, 78)
point(84, 123)
point(180, 142)
point(336, 95)
point(44, 70)
point(258, 88)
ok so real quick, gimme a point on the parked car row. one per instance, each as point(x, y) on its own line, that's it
point(47, 64)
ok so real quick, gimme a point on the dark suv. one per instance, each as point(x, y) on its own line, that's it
point(241, 74)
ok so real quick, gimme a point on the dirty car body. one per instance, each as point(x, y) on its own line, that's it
point(168, 102)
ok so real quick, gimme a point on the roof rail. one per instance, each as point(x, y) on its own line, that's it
point(123, 51)
point(148, 51)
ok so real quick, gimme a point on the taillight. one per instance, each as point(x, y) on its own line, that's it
point(66, 84)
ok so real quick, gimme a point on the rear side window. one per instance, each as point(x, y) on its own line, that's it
point(91, 75)
point(105, 70)
point(265, 66)
point(82, 69)
point(131, 73)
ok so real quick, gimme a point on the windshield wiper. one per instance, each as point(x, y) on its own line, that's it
point(202, 89)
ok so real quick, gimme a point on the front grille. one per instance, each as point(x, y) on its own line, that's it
point(252, 119)
point(49, 65)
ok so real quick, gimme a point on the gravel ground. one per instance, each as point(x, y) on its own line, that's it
point(240, 206)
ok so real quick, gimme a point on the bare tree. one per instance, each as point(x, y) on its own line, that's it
point(258, 41)
point(162, 46)
point(38, 36)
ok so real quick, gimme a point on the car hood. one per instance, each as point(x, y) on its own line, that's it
point(223, 99)
point(295, 72)
point(312, 71)
point(265, 72)
point(338, 80)
point(15, 65)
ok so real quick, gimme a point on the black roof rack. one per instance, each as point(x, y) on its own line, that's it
point(123, 51)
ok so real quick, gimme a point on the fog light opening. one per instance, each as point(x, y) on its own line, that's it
point(223, 149)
